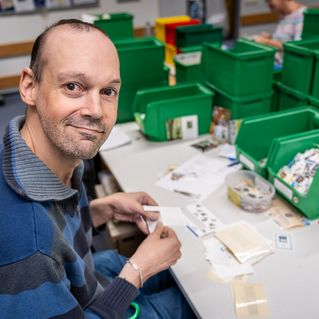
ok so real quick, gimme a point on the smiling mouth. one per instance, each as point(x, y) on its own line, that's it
point(88, 129)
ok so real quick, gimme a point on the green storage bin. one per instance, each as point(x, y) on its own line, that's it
point(194, 35)
point(127, 96)
point(289, 98)
point(117, 25)
point(188, 67)
point(141, 60)
point(257, 134)
point(299, 63)
point(154, 107)
point(315, 82)
point(313, 101)
point(242, 107)
point(311, 23)
point(283, 151)
point(246, 69)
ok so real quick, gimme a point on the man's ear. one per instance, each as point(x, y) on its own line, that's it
point(27, 86)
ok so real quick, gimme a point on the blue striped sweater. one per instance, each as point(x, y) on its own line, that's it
point(46, 267)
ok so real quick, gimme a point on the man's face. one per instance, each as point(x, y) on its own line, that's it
point(77, 96)
point(276, 5)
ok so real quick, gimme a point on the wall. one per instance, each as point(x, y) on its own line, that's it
point(19, 28)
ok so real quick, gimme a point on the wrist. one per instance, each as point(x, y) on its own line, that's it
point(132, 274)
point(100, 211)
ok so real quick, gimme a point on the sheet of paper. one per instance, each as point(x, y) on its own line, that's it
point(170, 216)
point(206, 221)
point(198, 177)
point(283, 241)
point(250, 300)
point(245, 242)
point(284, 216)
point(227, 151)
point(116, 138)
point(225, 266)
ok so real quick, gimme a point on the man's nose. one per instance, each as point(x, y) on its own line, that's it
point(93, 107)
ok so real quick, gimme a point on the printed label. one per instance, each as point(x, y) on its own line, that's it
point(283, 189)
point(247, 162)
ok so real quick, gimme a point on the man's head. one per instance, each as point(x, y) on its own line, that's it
point(71, 88)
point(279, 6)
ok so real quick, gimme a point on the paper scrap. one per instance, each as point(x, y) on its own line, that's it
point(198, 177)
point(245, 242)
point(250, 300)
point(225, 266)
point(116, 138)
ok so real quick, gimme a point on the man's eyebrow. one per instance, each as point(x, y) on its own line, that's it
point(82, 76)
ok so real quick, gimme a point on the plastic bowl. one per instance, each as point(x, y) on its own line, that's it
point(249, 191)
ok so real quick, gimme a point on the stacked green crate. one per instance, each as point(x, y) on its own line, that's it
point(241, 76)
point(116, 25)
point(195, 35)
point(311, 23)
point(300, 73)
point(154, 108)
point(256, 134)
point(142, 66)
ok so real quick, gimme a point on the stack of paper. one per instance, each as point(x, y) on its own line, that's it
point(116, 138)
point(246, 244)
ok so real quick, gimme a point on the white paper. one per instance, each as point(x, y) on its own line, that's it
point(206, 221)
point(227, 151)
point(198, 177)
point(89, 18)
point(224, 264)
point(57, 3)
point(116, 138)
point(189, 127)
point(170, 216)
point(23, 5)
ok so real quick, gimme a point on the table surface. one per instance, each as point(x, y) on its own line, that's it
point(290, 277)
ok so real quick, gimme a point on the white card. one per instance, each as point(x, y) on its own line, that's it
point(207, 222)
point(283, 241)
point(189, 127)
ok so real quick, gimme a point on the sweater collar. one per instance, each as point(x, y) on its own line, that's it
point(27, 175)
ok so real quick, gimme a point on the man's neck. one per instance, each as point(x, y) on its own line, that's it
point(291, 6)
point(41, 146)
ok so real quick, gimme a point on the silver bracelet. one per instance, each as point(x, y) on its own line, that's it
point(137, 269)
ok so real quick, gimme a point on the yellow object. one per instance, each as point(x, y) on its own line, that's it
point(161, 22)
point(170, 52)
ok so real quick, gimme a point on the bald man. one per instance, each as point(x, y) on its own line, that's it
point(47, 270)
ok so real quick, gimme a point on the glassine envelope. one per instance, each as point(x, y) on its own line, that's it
point(245, 242)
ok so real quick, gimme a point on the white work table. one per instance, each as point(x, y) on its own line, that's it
point(291, 278)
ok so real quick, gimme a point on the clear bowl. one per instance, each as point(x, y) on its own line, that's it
point(249, 191)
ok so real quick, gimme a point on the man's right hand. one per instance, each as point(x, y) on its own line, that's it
point(158, 251)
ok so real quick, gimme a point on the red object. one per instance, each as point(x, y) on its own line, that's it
point(170, 30)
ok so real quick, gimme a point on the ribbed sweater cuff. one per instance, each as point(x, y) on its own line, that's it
point(116, 297)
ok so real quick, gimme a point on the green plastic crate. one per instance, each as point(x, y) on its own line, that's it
point(127, 96)
point(141, 60)
point(193, 35)
point(154, 107)
point(246, 69)
point(257, 134)
point(311, 23)
point(299, 63)
point(289, 98)
point(188, 67)
point(313, 101)
point(275, 97)
point(283, 151)
point(315, 82)
point(117, 26)
point(242, 107)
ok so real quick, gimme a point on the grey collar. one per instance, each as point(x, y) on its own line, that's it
point(27, 175)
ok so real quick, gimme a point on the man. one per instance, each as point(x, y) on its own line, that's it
point(289, 27)
point(46, 267)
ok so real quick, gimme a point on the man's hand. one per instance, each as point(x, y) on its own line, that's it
point(157, 252)
point(123, 207)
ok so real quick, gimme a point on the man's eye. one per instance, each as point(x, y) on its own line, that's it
point(110, 92)
point(72, 86)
